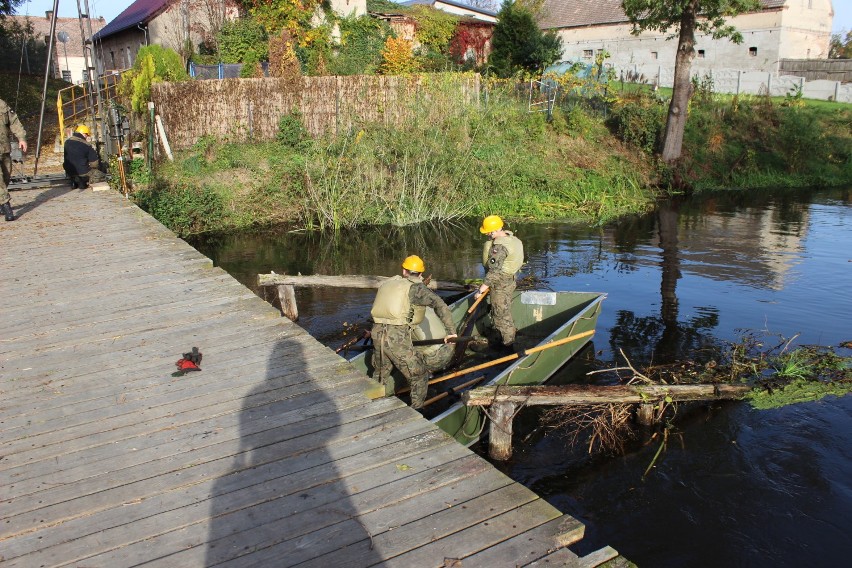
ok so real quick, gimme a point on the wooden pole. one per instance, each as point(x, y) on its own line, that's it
point(479, 299)
point(287, 296)
point(453, 390)
point(346, 281)
point(163, 140)
point(645, 414)
point(513, 356)
point(500, 430)
point(646, 395)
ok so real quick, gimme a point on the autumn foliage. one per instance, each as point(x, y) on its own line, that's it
point(397, 57)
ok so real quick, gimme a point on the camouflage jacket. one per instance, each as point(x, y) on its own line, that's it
point(10, 125)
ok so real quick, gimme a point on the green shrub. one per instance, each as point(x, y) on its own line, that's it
point(291, 129)
point(184, 209)
point(639, 121)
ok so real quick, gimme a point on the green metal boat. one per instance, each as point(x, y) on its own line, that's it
point(542, 317)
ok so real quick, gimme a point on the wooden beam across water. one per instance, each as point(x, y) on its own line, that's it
point(347, 281)
point(506, 401)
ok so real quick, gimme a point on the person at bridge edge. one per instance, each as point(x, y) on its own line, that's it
point(399, 308)
point(82, 163)
point(502, 257)
point(11, 125)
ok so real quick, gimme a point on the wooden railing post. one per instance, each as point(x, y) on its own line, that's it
point(500, 430)
point(287, 296)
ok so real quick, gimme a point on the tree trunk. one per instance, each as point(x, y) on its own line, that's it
point(682, 91)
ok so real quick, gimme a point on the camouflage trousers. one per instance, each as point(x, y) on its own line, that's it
point(393, 348)
point(6, 165)
point(500, 294)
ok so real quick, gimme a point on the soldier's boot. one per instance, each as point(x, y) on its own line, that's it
point(6, 208)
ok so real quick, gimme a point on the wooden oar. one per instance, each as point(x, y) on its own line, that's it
point(513, 356)
point(479, 299)
point(418, 343)
point(454, 390)
point(505, 359)
point(349, 344)
point(465, 327)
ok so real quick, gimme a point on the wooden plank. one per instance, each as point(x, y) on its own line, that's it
point(119, 516)
point(284, 491)
point(598, 557)
point(268, 472)
point(468, 541)
point(312, 532)
point(344, 281)
point(421, 531)
point(115, 427)
point(533, 544)
point(591, 394)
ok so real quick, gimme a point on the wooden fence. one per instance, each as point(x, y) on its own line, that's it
point(817, 69)
point(250, 109)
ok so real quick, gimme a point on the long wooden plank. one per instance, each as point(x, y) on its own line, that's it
point(92, 385)
point(469, 541)
point(533, 544)
point(169, 499)
point(31, 449)
point(267, 469)
point(596, 394)
point(245, 508)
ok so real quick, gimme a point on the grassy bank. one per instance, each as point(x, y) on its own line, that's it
point(746, 142)
point(444, 163)
point(451, 160)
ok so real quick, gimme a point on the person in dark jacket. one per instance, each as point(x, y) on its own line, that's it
point(81, 161)
point(9, 124)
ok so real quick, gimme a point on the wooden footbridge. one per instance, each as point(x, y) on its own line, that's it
point(272, 455)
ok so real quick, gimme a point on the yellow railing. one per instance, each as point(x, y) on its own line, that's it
point(74, 106)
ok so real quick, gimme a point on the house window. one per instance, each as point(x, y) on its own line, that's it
point(129, 60)
point(112, 58)
point(700, 54)
point(587, 53)
point(66, 75)
point(654, 55)
point(752, 51)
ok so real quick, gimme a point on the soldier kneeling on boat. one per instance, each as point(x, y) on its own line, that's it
point(399, 308)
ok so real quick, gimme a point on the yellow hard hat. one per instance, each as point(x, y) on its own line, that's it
point(413, 263)
point(83, 129)
point(490, 224)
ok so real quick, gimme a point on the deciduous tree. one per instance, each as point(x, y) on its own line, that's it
point(840, 47)
point(684, 17)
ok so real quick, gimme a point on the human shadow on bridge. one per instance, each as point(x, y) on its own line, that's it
point(25, 201)
point(284, 501)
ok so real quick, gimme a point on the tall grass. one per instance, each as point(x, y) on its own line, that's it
point(452, 157)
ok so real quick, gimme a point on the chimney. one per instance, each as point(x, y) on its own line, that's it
point(48, 14)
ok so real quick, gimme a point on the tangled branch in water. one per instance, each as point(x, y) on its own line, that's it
point(608, 425)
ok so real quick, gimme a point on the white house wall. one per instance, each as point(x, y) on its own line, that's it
point(806, 29)
point(800, 30)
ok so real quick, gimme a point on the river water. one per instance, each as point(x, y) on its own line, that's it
point(734, 486)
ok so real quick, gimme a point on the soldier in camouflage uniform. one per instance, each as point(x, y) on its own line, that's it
point(9, 124)
point(399, 307)
point(502, 257)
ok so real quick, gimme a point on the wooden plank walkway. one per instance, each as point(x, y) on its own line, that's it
point(270, 456)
